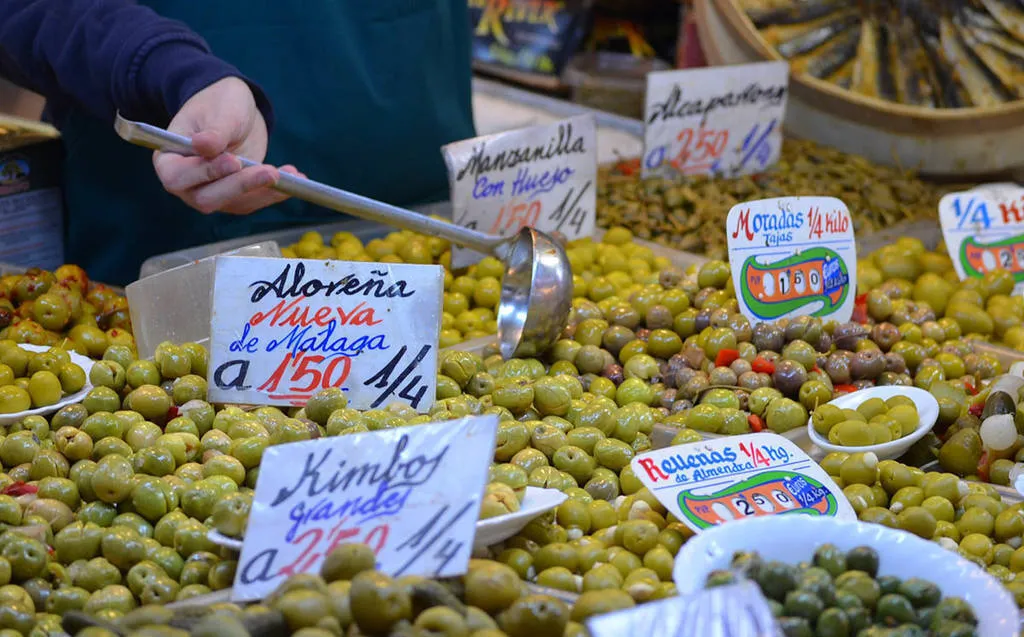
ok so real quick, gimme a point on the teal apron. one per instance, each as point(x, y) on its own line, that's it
point(365, 92)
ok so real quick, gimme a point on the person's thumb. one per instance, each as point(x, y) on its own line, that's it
point(210, 143)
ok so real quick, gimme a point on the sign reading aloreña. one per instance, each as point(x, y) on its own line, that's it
point(284, 329)
point(412, 494)
point(543, 177)
point(793, 256)
point(725, 120)
point(714, 481)
point(984, 231)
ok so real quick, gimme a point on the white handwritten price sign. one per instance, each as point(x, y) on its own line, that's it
point(737, 610)
point(542, 177)
point(283, 330)
point(722, 120)
point(984, 231)
point(714, 481)
point(793, 256)
point(412, 494)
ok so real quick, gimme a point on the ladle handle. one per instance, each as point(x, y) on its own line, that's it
point(157, 138)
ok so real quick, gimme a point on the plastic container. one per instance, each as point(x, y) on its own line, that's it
point(175, 305)
point(612, 82)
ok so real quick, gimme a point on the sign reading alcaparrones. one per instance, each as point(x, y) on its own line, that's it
point(542, 177)
point(411, 494)
point(793, 256)
point(725, 120)
point(284, 329)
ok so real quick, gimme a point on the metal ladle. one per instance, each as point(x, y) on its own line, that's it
point(536, 292)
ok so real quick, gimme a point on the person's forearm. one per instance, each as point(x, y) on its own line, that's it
point(107, 56)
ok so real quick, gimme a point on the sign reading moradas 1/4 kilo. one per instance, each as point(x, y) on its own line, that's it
point(284, 329)
point(542, 177)
point(984, 231)
point(793, 256)
point(715, 481)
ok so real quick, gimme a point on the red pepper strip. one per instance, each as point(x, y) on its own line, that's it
point(762, 366)
point(860, 308)
point(20, 488)
point(725, 357)
point(755, 422)
point(628, 166)
point(172, 412)
point(976, 409)
point(845, 389)
point(983, 466)
point(971, 389)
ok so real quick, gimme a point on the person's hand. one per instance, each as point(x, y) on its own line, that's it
point(223, 121)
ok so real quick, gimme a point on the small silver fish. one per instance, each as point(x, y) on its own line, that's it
point(793, 13)
point(949, 90)
point(812, 39)
point(977, 80)
point(865, 70)
point(1009, 16)
point(999, 40)
point(1007, 69)
point(834, 55)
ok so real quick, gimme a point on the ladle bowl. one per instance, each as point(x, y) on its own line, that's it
point(536, 293)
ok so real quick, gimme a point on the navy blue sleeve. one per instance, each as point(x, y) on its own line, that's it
point(108, 55)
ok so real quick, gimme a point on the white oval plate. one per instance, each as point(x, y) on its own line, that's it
point(927, 413)
point(535, 501)
point(488, 532)
point(82, 361)
point(792, 539)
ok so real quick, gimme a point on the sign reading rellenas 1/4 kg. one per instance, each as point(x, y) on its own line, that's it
point(793, 256)
point(541, 177)
point(724, 120)
point(284, 329)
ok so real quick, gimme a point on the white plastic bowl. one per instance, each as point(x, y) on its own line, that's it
point(793, 539)
point(488, 532)
point(84, 362)
point(927, 412)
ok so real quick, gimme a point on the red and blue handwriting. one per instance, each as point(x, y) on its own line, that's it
point(334, 501)
point(688, 466)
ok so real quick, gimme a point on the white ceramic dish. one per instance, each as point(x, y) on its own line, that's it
point(792, 539)
point(927, 412)
point(82, 361)
point(535, 501)
point(488, 532)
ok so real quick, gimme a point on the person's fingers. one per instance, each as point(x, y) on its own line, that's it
point(252, 201)
point(217, 195)
point(210, 143)
point(179, 174)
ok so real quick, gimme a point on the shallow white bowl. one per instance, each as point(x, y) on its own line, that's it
point(535, 501)
point(927, 412)
point(488, 532)
point(793, 539)
point(82, 361)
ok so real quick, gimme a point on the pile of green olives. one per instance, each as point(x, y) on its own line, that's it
point(839, 593)
point(63, 308)
point(965, 516)
point(875, 421)
point(349, 596)
point(907, 284)
point(30, 380)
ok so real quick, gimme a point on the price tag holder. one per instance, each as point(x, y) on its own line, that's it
point(984, 231)
point(543, 177)
point(738, 610)
point(793, 256)
point(715, 481)
point(284, 329)
point(723, 120)
point(412, 494)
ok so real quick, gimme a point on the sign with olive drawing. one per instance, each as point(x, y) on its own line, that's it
point(715, 481)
